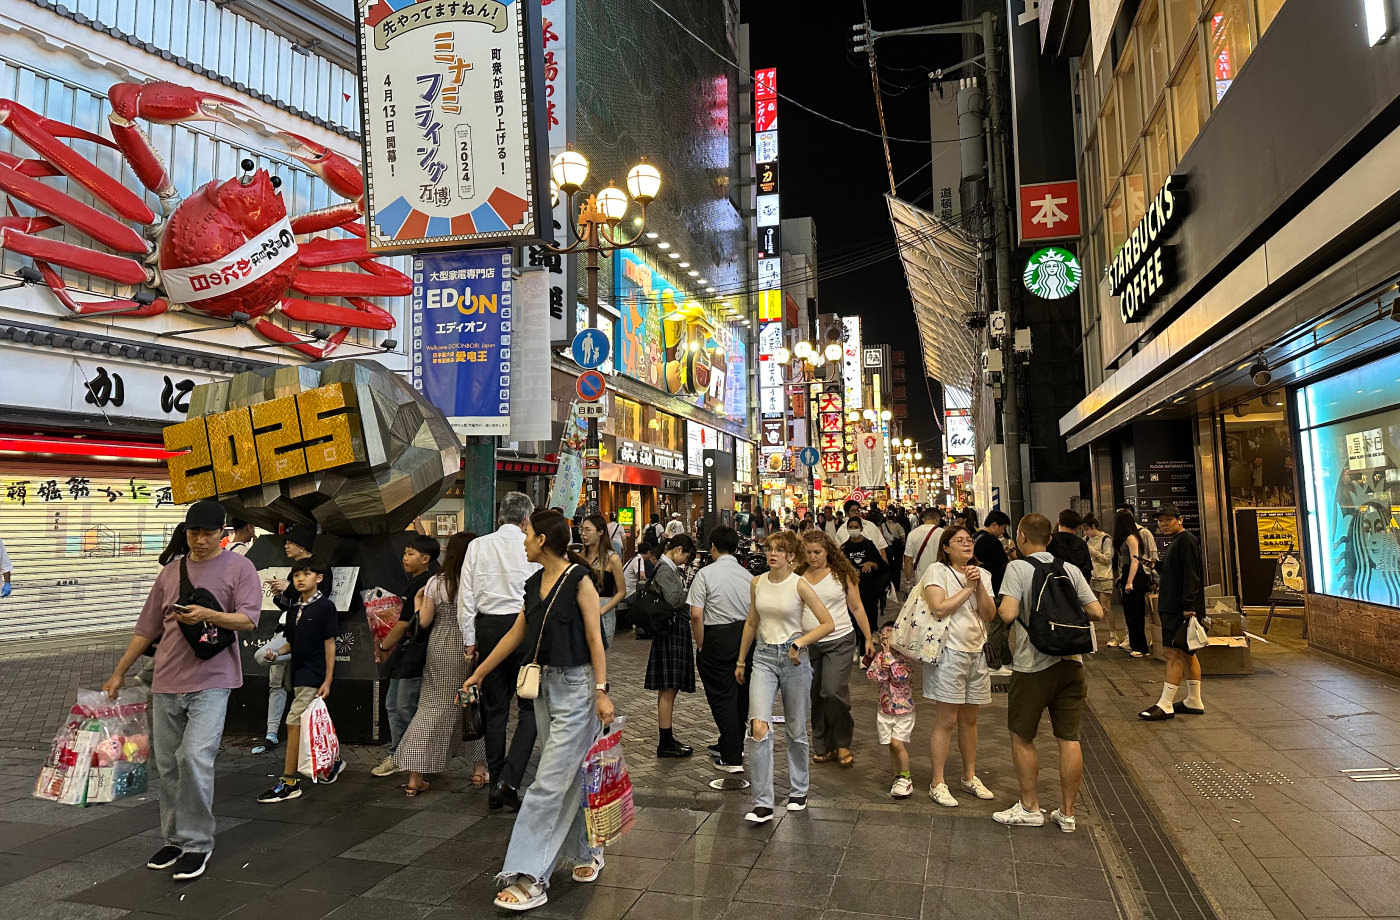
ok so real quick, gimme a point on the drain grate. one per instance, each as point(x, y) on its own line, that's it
point(1216, 782)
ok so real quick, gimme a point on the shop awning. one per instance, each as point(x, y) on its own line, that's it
point(941, 266)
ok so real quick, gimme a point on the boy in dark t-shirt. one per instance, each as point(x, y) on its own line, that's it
point(312, 627)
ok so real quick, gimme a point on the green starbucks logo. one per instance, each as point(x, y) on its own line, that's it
point(1052, 273)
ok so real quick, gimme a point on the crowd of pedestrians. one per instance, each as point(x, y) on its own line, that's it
point(520, 620)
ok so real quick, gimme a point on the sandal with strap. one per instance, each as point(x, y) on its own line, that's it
point(481, 779)
point(593, 867)
point(847, 760)
point(824, 758)
point(526, 896)
point(411, 791)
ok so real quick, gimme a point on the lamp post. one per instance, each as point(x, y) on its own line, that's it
point(807, 366)
point(595, 231)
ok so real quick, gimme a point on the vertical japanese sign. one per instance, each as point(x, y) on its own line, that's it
point(851, 361)
point(462, 316)
point(947, 158)
point(770, 261)
point(831, 421)
point(558, 30)
point(452, 126)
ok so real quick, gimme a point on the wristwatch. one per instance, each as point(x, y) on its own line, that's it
point(602, 688)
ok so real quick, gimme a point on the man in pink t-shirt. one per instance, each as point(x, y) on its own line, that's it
point(190, 696)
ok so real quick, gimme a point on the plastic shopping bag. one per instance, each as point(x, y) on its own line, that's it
point(383, 608)
point(1196, 635)
point(607, 788)
point(318, 748)
point(100, 752)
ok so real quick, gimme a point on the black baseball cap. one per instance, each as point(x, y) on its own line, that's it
point(1168, 510)
point(205, 514)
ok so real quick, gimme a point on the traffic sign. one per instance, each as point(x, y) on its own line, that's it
point(592, 410)
point(590, 348)
point(590, 386)
point(809, 456)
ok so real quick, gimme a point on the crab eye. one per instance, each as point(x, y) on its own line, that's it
point(276, 182)
point(247, 165)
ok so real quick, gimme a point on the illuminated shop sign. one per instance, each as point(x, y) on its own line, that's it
point(1142, 269)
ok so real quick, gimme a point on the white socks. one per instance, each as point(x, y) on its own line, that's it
point(1168, 694)
point(1193, 695)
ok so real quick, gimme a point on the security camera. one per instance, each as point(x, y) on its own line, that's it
point(1259, 372)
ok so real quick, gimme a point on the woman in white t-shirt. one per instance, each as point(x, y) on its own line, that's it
point(960, 595)
point(837, 584)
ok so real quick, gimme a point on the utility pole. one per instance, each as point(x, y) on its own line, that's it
point(998, 179)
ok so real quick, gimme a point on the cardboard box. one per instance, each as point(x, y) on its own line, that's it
point(1228, 652)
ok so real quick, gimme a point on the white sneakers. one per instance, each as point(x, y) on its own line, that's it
point(1018, 816)
point(1064, 822)
point(903, 788)
point(977, 788)
point(386, 768)
point(942, 796)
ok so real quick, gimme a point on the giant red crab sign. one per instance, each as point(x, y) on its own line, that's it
point(228, 249)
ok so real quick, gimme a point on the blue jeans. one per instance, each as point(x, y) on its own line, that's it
point(550, 831)
point(772, 671)
point(401, 703)
point(186, 728)
point(609, 627)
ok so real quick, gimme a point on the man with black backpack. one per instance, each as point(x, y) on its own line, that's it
point(1049, 606)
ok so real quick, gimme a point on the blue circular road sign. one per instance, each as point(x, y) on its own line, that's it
point(809, 456)
point(590, 386)
point(590, 348)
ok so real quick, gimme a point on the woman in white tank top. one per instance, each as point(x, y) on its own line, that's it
point(837, 584)
point(781, 661)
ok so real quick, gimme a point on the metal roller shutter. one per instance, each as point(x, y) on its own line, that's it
point(83, 541)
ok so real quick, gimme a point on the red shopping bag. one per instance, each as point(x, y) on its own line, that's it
point(318, 747)
point(607, 788)
point(383, 609)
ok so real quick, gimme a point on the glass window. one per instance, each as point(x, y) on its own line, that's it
point(1158, 148)
point(1351, 474)
point(629, 419)
point(1093, 199)
point(1182, 16)
point(1187, 104)
point(1108, 144)
point(1129, 100)
point(667, 432)
point(1266, 10)
point(1088, 96)
point(1134, 187)
point(1228, 25)
point(1152, 52)
point(1115, 223)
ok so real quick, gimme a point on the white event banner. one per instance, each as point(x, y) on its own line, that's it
point(870, 459)
point(851, 361)
point(240, 268)
point(530, 399)
point(452, 121)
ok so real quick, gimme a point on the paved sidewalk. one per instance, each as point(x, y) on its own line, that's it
point(360, 848)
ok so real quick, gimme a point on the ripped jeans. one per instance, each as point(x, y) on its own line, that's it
point(772, 671)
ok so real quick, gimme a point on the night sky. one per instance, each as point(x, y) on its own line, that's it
point(837, 176)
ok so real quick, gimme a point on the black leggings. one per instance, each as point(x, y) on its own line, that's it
point(1135, 616)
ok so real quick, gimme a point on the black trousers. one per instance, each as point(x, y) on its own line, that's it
point(729, 702)
point(496, 693)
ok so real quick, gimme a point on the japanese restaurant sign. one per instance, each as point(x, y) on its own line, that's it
point(831, 425)
point(453, 122)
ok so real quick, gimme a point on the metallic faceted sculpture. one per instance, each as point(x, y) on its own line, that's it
point(348, 445)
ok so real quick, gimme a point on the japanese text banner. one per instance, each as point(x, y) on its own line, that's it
point(462, 318)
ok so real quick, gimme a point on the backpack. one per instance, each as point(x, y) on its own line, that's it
point(1056, 623)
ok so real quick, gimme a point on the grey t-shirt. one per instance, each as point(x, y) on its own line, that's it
point(721, 589)
point(1017, 582)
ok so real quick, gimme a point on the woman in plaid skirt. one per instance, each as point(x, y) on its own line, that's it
point(671, 664)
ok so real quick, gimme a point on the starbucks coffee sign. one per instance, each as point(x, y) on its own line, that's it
point(1052, 273)
point(1142, 269)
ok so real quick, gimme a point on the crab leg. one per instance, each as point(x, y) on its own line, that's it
point(105, 265)
point(320, 252)
point(343, 176)
point(163, 103)
point(337, 284)
point(96, 307)
point(365, 315)
point(42, 134)
point(275, 333)
point(327, 218)
point(27, 224)
point(72, 212)
point(34, 168)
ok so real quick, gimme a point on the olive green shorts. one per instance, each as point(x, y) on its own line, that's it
point(1059, 688)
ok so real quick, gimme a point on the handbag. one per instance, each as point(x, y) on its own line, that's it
point(527, 680)
point(917, 634)
point(206, 639)
point(472, 724)
point(651, 610)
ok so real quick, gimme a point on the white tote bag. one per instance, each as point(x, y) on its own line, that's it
point(318, 748)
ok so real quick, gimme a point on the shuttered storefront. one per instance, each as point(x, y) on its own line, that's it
point(83, 540)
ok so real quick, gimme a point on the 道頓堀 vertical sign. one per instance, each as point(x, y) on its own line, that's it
point(462, 316)
point(453, 126)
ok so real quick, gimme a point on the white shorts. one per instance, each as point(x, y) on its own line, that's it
point(958, 677)
point(900, 727)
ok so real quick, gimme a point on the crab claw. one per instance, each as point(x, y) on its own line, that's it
point(168, 103)
point(343, 176)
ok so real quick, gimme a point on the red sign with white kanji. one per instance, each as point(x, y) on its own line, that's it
point(1049, 211)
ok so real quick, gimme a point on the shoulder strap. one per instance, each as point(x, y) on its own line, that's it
point(920, 554)
point(186, 586)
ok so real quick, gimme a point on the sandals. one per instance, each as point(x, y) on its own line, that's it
point(481, 779)
point(526, 895)
point(847, 761)
point(593, 867)
point(824, 758)
point(1155, 713)
point(411, 791)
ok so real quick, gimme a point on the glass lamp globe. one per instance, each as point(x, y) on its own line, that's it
point(817, 360)
point(612, 202)
point(569, 171)
point(782, 356)
point(553, 193)
point(886, 415)
point(643, 182)
point(802, 349)
point(869, 414)
point(853, 416)
point(833, 351)
point(918, 456)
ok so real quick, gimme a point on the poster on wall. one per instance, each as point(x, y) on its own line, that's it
point(958, 437)
point(452, 122)
point(462, 317)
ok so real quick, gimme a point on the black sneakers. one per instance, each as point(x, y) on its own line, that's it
point(190, 865)
point(164, 858)
point(760, 815)
point(797, 803)
point(282, 792)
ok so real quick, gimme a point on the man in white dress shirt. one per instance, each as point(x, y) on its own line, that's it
point(490, 595)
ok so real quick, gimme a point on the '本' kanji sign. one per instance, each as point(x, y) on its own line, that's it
point(1049, 211)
